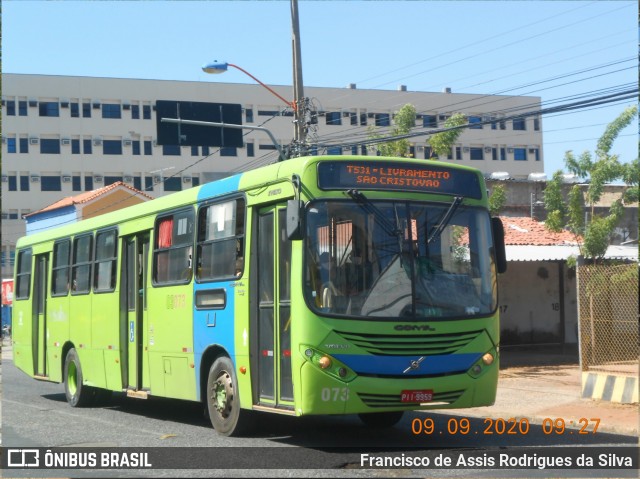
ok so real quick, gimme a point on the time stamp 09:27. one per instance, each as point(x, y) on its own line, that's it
point(507, 427)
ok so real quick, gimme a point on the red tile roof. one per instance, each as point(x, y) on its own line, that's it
point(529, 232)
point(89, 196)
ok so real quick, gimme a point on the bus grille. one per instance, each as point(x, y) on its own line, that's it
point(413, 344)
point(393, 400)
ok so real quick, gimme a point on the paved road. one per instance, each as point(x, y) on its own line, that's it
point(36, 414)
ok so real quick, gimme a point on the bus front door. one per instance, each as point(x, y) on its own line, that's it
point(39, 333)
point(133, 298)
point(273, 343)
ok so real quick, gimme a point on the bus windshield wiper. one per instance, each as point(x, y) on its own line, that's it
point(444, 220)
point(369, 207)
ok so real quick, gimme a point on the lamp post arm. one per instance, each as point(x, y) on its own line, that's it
point(228, 125)
point(292, 104)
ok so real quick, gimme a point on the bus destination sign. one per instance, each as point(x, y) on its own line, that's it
point(397, 176)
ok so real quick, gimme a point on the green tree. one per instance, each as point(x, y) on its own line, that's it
point(404, 120)
point(497, 199)
point(600, 168)
point(441, 143)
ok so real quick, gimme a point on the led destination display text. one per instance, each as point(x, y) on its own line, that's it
point(385, 175)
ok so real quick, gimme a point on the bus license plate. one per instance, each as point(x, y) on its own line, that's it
point(423, 395)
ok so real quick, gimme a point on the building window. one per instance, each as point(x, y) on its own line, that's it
point(75, 147)
point(49, 146)
point(24, 183)
point(109, 180)
point(24, 145)
point(13, 183)
point(173, 184)
point(248, 115)
point(22, 108)
point(503, 125)
point(353, 118)
point(135, 147)
point(135, 112)
point(334, 150)
point(206, 151)
point(535, 152)
point(427, 152)
point(147, 147)
point(195, 181)
point(171, 150)
point(112, 147)
point(250, 149)
point(458, 152)
point(11, 145)
point(86, 110)
point(363, 119)
point(494, 154)
point(383, 119)
point(148, 183)
point(519, 124)
point(430, 121)
point(172, 256)
point(520, 154)
point(503, 154)
point(49, 108)
point(333, 118)
point(536, 124)
point(86, 147)
point(476, 153)
point(475, 123)
point(76, 184)
point(11, 108)
point(194, 151)
point(50, 183)
point(88, 183)
point(111, 110)
point(137, 183)
point(146, 112)
point(228, 151)
point(75, 110)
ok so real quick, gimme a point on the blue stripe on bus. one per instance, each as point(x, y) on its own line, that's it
point(214, 327)
point(219, 187)
point(396, 365)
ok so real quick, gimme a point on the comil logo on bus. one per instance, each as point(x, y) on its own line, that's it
point(23, 458)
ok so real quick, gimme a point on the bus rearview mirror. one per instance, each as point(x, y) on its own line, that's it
point(294, 219)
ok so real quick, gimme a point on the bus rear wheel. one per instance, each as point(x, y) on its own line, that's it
point(78, 395)
point(381, 419)
point(223, 400)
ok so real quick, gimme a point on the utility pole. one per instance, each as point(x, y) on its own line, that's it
point(300, 109)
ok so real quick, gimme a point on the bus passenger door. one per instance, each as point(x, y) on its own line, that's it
point(39, 333)
point(133, 311)
point(274, 310)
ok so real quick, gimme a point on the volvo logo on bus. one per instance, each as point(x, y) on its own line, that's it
point(415, 364)
point(413, 327)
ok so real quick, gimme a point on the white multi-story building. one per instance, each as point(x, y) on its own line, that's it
point(62, 135)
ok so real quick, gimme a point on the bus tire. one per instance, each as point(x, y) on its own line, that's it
point(223, 400)
point(78, 395)
point(381, 419)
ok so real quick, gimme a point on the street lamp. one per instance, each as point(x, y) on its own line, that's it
point(217, 67)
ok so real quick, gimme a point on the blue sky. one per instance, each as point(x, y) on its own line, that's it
point(553, 49)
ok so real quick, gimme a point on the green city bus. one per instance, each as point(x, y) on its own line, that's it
point(317, 285)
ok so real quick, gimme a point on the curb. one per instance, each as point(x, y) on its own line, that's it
point(610, 387)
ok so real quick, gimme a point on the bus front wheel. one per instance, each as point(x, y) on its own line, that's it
point(78, 395)
point(381, 419)
point(223, 399)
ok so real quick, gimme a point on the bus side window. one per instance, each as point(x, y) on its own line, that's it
point(221, 240)
point(172, 256)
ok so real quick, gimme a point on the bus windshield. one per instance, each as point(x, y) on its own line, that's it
point(399, 259)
